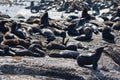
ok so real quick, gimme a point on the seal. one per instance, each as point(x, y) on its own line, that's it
point(71, 30)
point(37, 49)
point(86, 15)
point(9, 35)
point(86, 36)
point(90, 59)
point(3, 29)
point(10, 42)
point(116, 25)
point(55, 45)
point(65, 54)
point(44, 19)
point(48, 34)
point(107, 35)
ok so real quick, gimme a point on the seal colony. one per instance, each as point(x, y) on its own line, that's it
point(41, 36)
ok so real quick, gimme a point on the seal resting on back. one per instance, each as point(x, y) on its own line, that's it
point(90, 59)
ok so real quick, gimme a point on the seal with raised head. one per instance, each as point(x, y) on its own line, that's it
point(90, 59)
point(44, 19)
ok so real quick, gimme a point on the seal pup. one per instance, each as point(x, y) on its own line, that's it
point(90, 59)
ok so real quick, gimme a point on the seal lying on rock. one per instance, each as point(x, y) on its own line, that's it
point(47, 33)
point(65, 54)
point(90, 59)
point(54, 45)
point(3, 29)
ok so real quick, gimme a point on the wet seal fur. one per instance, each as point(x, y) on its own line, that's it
point(90, 59)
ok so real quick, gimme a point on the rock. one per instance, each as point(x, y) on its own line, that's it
point(114, 53)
